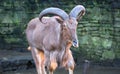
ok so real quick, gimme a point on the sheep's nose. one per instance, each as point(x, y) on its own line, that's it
point(75, 43)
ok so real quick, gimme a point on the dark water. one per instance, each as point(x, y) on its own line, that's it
point(95, 70)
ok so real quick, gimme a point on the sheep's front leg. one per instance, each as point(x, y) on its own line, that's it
point(42, 61)
point(52, 63)
point(70, 64)
point(52, 66)
point(70, 71)
point(39, 59)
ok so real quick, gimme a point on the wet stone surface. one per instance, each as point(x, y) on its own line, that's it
point(95, 70)
point(14, 60)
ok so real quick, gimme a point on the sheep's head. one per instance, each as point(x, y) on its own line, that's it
point(70, 21)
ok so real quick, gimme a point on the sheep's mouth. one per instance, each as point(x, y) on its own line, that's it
point(75, 43)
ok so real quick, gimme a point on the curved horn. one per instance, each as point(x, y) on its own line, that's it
point(56, 11)
point(77, 12)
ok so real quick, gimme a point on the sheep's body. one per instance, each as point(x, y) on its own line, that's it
point(43, 36)
point(50, 39)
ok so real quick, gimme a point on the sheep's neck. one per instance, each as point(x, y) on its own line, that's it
point(65, 35)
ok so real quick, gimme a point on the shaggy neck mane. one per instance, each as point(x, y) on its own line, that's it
point(65, 35)
point(67, 41)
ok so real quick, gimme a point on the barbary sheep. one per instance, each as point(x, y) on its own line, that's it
point(50, 38)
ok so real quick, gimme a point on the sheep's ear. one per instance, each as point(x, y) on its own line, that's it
point(59, 20)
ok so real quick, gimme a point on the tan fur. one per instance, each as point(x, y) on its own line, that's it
point(54, 38)
point(50, 38)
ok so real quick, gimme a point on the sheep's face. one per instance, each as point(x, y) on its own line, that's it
point(72, 27)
